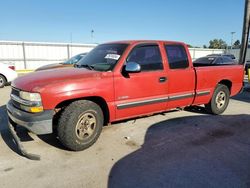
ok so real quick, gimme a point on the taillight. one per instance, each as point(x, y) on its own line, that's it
point(12, 67)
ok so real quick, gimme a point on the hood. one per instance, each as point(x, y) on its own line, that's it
point(37, 80)
point(54, 66)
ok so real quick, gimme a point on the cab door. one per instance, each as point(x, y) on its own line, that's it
point(143, 92)
point(181, 75)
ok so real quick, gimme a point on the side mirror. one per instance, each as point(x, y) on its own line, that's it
point(132, 67)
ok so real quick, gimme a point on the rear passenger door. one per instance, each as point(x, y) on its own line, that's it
point(181, 76)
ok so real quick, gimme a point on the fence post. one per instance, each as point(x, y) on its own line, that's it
point(68, 51)
point(24, 56)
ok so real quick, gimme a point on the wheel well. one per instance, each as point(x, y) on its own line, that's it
point(227, 83)
point(4, 77)
point(98, 100)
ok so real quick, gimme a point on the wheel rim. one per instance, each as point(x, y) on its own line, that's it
point(220, 99)
point(85, 126)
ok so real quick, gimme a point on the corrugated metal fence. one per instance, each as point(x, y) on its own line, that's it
point(31, 55)
point(236, 53)
point(200, 52)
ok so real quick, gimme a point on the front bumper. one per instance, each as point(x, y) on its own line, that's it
point(19, 144)
point(40, 123)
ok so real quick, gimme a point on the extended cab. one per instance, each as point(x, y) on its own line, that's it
point(117, 81)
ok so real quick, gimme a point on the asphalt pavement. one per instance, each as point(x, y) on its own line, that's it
point(175, 149)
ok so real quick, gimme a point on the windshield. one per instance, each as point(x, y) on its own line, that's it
point(103, 58)
point(74, 59)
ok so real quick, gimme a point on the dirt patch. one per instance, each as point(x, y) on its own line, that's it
point(8, 169)
point(132, 144)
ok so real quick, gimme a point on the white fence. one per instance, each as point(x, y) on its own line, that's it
point(236, 53)
point(31, 55)
point(200, 52)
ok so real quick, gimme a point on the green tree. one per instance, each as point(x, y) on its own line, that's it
point(236, 44)
point(204, 46)
point(217, 44)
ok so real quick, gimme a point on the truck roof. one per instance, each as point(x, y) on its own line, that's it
point(145, 41)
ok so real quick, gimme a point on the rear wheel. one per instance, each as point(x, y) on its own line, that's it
point(80, 125)
point(219, 101)
point(2, 81)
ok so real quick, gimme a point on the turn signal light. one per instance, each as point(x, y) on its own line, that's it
point(34, 109)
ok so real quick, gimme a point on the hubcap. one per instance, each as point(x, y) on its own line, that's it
point(85, 126)
point(220, 99)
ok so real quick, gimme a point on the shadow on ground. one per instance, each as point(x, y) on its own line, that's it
point(51, 139)
point(244, 96)
point(195, 151)
point(196, 109)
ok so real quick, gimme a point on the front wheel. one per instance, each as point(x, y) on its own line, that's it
point(80, 125)
point(219, 101)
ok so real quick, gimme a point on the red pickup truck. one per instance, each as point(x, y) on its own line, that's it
point(116, 81)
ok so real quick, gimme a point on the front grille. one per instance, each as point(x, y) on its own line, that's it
point(15, 91)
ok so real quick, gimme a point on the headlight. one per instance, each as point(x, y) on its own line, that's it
point(30, 96)
point(32, 103)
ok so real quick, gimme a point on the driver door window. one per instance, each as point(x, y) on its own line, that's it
point(148, 57)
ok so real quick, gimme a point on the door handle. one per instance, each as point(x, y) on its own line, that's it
point(162, 79)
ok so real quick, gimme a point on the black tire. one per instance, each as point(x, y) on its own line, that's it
point(2, 81)
point(219, 101)
point(76, 123)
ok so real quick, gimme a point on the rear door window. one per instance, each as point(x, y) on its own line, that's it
point(177, 56)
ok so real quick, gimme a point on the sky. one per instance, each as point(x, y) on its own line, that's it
point(194, 22)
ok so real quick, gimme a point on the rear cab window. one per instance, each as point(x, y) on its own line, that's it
point(177, 56)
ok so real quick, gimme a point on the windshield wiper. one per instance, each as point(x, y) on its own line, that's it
point(86, 66)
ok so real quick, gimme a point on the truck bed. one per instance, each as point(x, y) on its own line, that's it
point(207, 77)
